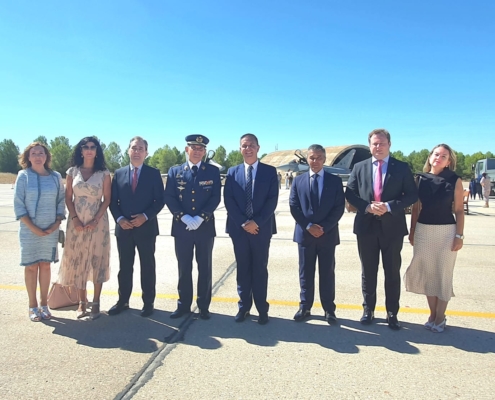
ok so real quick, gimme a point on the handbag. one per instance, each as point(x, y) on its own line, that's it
point(61, 237)
point(62, 296)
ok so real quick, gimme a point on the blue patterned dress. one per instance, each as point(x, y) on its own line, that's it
point(43, 199)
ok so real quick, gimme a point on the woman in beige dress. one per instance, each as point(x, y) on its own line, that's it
point(87, 249)
point(436, 234)
point(487, 187)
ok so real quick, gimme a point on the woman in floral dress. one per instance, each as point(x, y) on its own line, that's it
point(87, 249)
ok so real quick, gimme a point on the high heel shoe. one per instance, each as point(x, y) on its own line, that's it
point(95, 314)
point(82, 312)
point(428, 325)
point(45, 312)
point(34, 314)
point(440, 327)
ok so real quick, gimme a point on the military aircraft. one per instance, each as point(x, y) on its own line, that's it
point(300, 164)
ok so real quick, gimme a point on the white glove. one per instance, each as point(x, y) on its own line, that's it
point(187, 219)
point(198, 221)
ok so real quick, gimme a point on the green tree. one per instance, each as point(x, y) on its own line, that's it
point(9, 154)
point(163, 159)
point(234, 158)
point(264, 154)
point(61, 154)
point(399, 155)
point(181, 156)
point(220, 155)
point(113, 155)
point(41, 139)
point(125, 160)
point(461, 166)
point(417, 159)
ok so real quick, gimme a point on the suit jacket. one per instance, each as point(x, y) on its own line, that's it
point(399, 191)
point(147, 199)
point(332, 204)
point(185, 194)
point(265, 199)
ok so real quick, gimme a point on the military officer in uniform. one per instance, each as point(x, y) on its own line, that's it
point(192, 194)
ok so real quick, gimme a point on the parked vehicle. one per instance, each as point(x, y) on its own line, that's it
point(486, 165)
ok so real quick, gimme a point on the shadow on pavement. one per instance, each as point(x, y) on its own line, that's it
point(346, 337)
point(127, 331)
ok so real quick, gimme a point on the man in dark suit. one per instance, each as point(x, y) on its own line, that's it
point(192, 193)
point(251, 196)
point(380, 188)
point(137, 198)
point(317, 204)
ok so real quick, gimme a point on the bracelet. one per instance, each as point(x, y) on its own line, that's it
point(75, 216)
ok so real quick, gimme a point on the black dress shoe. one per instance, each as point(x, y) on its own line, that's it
point(241, 316)
point(147, 311)
point(179, 313)
point(204, 314)
point(393, 322)
point(118, 308)
point(330, 317)
point(263, 318)
point(302, 314)
point(367, 317)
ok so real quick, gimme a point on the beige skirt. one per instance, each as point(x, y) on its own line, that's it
point(432, 267)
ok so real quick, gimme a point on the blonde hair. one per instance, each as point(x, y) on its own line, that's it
point(24, 157)
point(452, 157)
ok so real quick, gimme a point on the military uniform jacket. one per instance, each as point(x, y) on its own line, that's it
point(186, 194)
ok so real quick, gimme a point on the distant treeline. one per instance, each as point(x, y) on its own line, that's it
point(165, 157)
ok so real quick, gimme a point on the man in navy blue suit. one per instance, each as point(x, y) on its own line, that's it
point(380, 188)
point(251, 196)
point(192, 193)
point(137, 198)
point(317, 204)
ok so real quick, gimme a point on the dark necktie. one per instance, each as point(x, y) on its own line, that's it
point(315, 194)
point(134, 180)
point(249, 193)
point(194, 170)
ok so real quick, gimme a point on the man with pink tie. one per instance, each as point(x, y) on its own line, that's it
point(380, 188)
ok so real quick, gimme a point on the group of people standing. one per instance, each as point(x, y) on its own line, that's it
point(482, 188)
point(380, 188)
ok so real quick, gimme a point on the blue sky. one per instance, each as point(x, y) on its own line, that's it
point(292, 72)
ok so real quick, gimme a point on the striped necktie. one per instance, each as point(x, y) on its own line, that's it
point(249, 193)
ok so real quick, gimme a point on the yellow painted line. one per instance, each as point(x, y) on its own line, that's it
point(292, 303)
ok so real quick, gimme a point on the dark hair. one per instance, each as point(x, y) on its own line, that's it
point(250, 135)
point(379, 131)
point(138, 138)
point(77, 159)
point(317, 147)
point(24, 157)
point(484, 174)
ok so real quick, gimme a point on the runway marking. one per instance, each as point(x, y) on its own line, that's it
point(287, 303)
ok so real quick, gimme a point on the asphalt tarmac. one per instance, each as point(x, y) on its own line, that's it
point(127, 356)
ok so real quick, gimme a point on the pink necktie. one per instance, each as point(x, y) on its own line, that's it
point(134, 180)
point(378, 185)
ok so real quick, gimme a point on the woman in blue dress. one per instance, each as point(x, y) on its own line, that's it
point(39, 205)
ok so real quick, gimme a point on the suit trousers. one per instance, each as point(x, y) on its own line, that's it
point(370, 246)
point(185, 246)
point(251, 254)
point(127, 242)
point(325, 254)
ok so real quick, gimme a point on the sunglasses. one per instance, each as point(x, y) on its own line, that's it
point(86, 147)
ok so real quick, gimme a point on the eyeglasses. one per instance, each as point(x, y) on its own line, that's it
point(138, 149)
point(249, 146)
point(197, 148)
point(86, 147)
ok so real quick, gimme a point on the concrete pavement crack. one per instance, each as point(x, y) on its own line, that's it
point(156, 360)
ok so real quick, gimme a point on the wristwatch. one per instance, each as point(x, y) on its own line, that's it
point(459, 236)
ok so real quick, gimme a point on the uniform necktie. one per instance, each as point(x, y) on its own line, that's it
point(195, 170)
point(315, 194)
point(134, 180)
point(378, 184)
point(249, 193)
